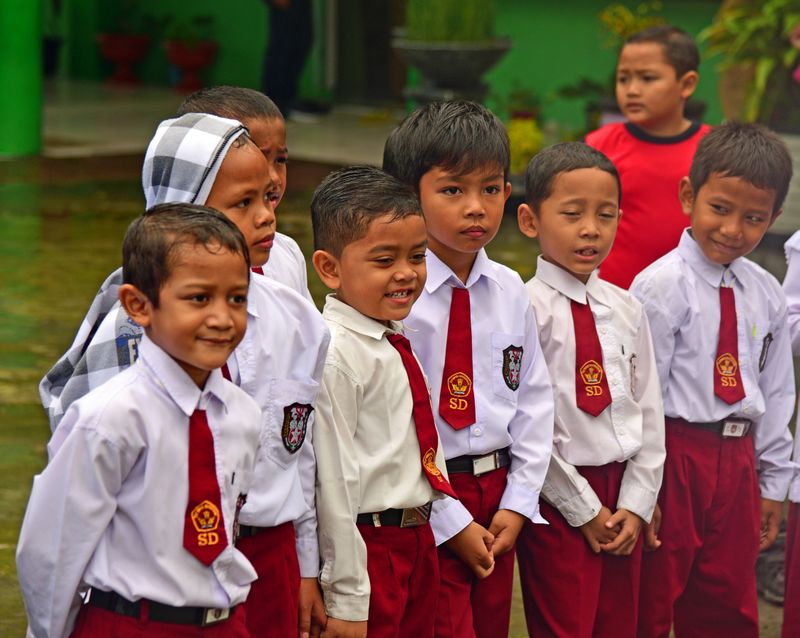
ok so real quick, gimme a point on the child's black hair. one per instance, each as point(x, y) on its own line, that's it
point(550, 162)
point(234, 102)
point(152, 242)
point(749, 151)
point(680, 50)
point(347, 201)
point(458, 136)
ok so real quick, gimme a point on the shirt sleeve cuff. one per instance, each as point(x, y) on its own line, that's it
point(577, 510)
point(775, 486)
point(350, 607)
point(308, 557)
point(637, 499)
point(523, 501)
point(448, 518)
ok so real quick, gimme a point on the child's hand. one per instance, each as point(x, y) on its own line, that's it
point(505, 527)
point(595, 531)
point(311, 617)
point(337, 628)
point(629, 526)
point(771, 516)
point(651, 540)
point(473, 545)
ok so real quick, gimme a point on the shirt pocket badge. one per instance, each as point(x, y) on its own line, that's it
point(295, 422)
point(512, 366)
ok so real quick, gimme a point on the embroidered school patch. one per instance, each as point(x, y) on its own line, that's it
point(726, 365)
point(205, 517)
point(512, 366)
point(295, 422)
point(429, 462)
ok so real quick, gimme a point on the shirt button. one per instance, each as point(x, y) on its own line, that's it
point(746, 410)
point(477, 431)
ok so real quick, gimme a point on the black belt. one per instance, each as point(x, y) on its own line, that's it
point(480, 464)
point(249, 530)
point(158, 612)
point(732, 427)
point(408, 517)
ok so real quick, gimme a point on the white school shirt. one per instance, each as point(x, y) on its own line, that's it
point(791, 288)
point(521, 419)
point(680, 293)
point(108, 510)
point(368, 456)
point(630, 429)
point(279, 363)
point(287, 265)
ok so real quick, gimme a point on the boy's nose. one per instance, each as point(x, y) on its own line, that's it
point(221, 316)
point(265, 214)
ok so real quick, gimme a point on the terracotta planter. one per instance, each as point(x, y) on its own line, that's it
point(123, 50)
point(190, 59)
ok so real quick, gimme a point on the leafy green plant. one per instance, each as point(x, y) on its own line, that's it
point(450, 20)
point(756, 34)
point(620, 21)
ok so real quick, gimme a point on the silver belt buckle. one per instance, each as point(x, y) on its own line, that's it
point(416, 516)
point(484, 464)
point(735, 428)
point(212, 616)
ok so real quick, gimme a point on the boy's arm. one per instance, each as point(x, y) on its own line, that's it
point(71, 505)
point(531, 429)
point(791, 288)
point(344, 579)
point(771, 438)
point(644, 470)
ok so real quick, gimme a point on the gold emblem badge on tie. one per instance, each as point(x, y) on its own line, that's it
point(205, 518)
point(592, 374)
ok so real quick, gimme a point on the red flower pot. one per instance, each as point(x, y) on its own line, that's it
point(123, 50)
point(190, 59)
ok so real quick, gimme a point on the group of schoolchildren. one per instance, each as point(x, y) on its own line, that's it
point(226, 461)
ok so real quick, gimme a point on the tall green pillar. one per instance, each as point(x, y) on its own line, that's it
point(20, 77)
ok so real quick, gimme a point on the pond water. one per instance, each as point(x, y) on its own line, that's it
point(61, 225)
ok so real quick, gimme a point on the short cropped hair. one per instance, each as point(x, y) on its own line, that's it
point(680, 50)
point(350, 198)
point(152, 242)
point(234, 102)
point(459, 136)
point(550, 162)
point(749, 151)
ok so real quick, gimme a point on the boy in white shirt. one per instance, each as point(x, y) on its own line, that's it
point(137, 507)
point(724, 358)
point(580, 574)
point(379, 461)
point(475, 334)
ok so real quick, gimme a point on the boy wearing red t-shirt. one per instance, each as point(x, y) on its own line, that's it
point(656, 74)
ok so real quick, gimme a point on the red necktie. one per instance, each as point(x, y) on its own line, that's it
point(203, 526)
point(591, 387)
point(257, 270)
point(456, 399)
point(423, 416)
point(727, 379)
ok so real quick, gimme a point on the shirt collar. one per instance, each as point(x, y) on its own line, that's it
point(440, 273)
point(565, 283)
point(339, 312)
point(710, 271)
point(176, 382)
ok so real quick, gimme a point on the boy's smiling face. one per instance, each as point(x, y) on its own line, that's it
point(202, 310)
point(463, 213)
point(382, 273)
point(729, 215)
point(577, 223)
point(269, 134)
point(241, 192)
point(649, 92)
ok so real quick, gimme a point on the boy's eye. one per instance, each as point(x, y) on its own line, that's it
point(451, 190)
point(281, 159)
point(608, 214)
point(383, 261)
point(244, 203)
point(238, 299)
point(570, 213)
point(718, 208)
point(493, 190)
point(756, 219)
point(199, 298)
point(418, 258)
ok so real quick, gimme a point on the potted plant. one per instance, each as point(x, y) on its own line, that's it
point(125, 43)
point(452, 44)
point(190, 49)
point(759, 79)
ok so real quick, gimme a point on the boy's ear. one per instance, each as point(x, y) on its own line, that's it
point(526, 219)
point(507, 191)
point(686, 195)
point(327, 267)
point(774, 217)
point(688, 83)
point(136, 304)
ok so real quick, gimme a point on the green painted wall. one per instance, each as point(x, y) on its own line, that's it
point(554, 44)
